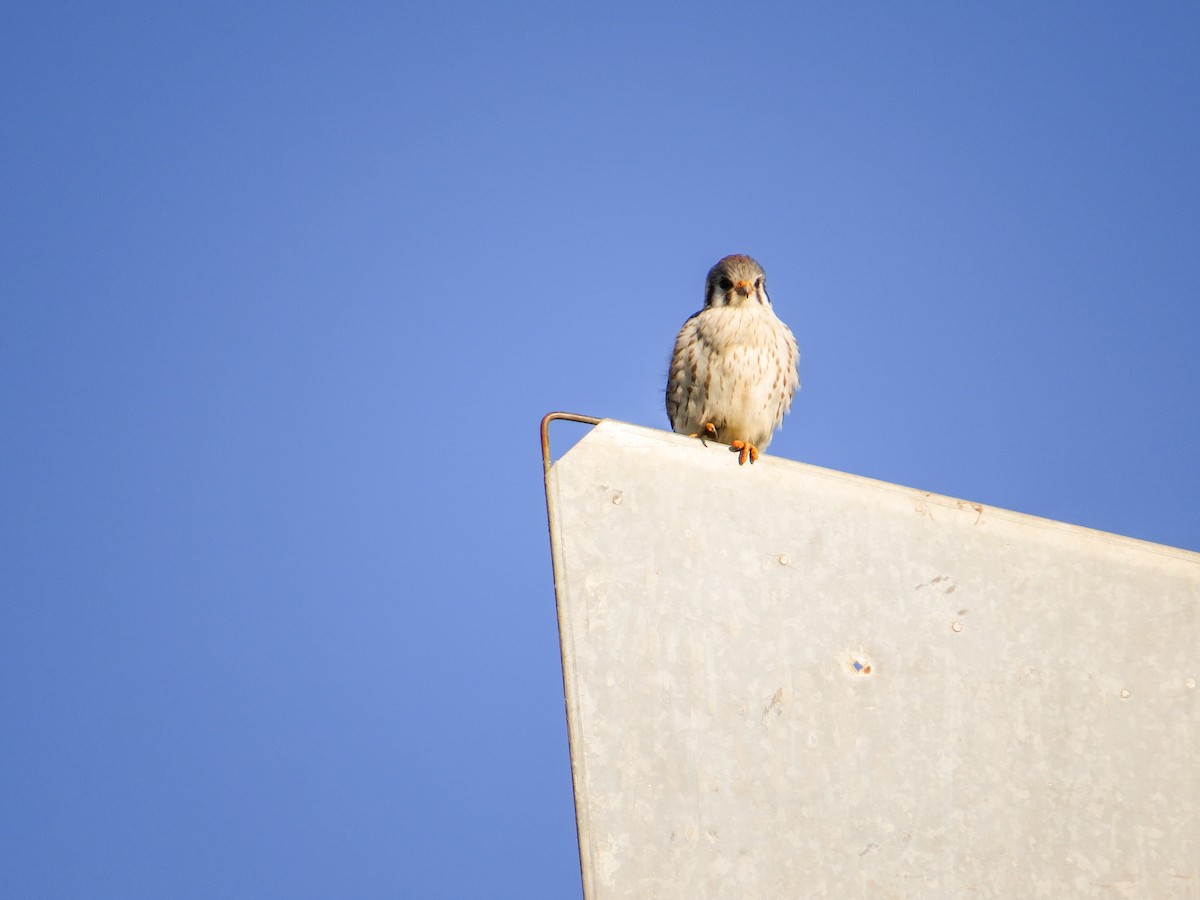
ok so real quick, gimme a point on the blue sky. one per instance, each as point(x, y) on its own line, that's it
point(288, 287)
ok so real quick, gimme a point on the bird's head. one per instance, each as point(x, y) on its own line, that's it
point(736, 281)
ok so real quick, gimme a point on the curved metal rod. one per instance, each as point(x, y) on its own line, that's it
point(550, 417)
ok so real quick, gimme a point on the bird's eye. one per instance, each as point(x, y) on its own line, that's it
point(726, 284)
point(759, 282)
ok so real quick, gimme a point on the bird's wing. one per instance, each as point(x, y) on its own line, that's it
point(681, 378)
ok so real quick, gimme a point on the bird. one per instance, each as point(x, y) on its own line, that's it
point(735, 368)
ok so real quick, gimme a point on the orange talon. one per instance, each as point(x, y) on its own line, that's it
point(709, 430)
point(744, 449)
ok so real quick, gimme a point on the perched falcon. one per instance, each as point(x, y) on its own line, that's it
point(734, 371)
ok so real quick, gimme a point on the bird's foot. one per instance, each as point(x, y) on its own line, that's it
point(745, 450)
point(709, 430)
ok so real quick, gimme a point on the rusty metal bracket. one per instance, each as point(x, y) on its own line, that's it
point(568, 417)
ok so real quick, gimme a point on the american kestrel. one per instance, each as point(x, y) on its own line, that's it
point(734, 372)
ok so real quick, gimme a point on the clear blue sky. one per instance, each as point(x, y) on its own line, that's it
point(287, 288)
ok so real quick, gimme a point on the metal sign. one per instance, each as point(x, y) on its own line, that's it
point(788, 682)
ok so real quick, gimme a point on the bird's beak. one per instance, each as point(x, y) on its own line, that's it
point(745, 288)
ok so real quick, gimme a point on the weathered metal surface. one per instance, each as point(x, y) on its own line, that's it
point(788, 682)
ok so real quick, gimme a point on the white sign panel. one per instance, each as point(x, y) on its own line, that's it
point(788, 682)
